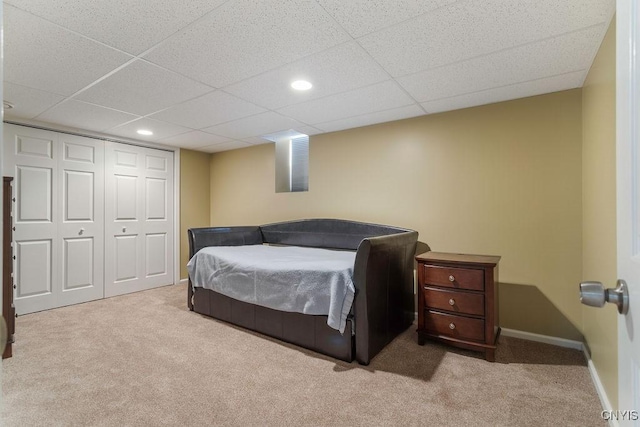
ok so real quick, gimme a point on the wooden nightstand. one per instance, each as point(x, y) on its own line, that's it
point(458, 300)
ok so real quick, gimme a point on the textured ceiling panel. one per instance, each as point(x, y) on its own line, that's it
point(504, 93)
point(468, 29)
point(246, 37)
point(360, 17)
point(194, 139)
point(370, 99)
point(208, 110)
point(225, 146)
point(143, 88)
point(160, 130)
point(31, 101)
point(128, 25)
point(85, 116)
point(43, 56)
point(560, 55)
point(349, 61)
point(260, 124)
point(373, 118)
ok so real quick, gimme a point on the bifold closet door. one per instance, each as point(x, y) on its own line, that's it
point(139, 218)
point(58, 217)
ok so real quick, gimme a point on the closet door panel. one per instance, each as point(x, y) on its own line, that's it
point(58, 217)
point(78, 264)
point(139, 218)
point(159, 217)
point(33, 162)
point(34, 268)
point(81, 177)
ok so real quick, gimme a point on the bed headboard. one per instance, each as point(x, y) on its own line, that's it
point(222, 236)
point(324, 233)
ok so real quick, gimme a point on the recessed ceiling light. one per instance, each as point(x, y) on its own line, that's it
point(301, 85)
point(7, 105)
point(144, 132)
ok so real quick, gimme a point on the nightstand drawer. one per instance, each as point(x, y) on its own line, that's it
point(464, 328)
point(459, 302)
point(452, 277)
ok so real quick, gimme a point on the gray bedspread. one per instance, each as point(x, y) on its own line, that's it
point(304, 280)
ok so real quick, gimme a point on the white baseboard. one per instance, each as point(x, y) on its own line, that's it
point(183, 281)
point(576, 345)
point(561, 342)
point(602, 394)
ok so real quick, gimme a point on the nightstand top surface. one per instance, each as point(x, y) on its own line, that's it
point(458, 258)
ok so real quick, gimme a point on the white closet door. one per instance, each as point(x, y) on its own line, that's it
point(32, 156)
point(81, 192)
point(139, 218)
point(58, 217)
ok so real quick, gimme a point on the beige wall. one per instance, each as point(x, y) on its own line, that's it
point(501, 179)
point(194, 198)
point(599, 208)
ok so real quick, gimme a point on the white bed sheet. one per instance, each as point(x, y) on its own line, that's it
point(289, 278)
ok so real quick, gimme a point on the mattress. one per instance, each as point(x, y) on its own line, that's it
point(288, 278)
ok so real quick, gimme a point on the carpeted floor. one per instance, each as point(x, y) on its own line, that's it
point(144, 359)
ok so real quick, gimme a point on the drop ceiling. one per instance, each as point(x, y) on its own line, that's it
point(214, 75)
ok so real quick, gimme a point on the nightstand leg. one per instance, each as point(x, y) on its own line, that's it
point(490, 354)
point(421, 339)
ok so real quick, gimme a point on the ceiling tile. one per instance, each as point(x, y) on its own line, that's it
point(142, 88)
point(360, 17)
point(335, 70)
point(246, 37)
point(550, 57)
point(132, 26)
point(377, 97)
point(161, 130)
point(194, 139)
point(27, 102)
point(225, 146)
point(41, 55)
point(505, 93)
point(309, 130)
point(260, 124)
point(208, 110)
point(373, 118)
point(85, 116)
point(468, 29)
point(254, 140)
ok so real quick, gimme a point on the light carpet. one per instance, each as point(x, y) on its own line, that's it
point(144, 359)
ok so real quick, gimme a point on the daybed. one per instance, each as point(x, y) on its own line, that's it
point(383, 305)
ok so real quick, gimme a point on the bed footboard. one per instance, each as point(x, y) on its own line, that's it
point(384, 302)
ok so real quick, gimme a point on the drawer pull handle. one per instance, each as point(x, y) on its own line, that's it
point(452, 325)
point(452, 279)
point(452, 302)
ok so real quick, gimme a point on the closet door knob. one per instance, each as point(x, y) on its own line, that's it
point(81, 231)
point(124, 229)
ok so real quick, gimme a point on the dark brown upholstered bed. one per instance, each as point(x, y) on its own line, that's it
point(382, 275)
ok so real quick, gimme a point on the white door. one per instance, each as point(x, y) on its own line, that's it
point(58, 211)
point(81, 229)
point(139, 218)
point(628, 204)
point(32, 156)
